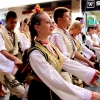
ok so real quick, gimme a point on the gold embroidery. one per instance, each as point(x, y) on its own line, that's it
point(51, 95)
point(12, 49)
point(93, 39)
point(78, 45)
point(27, 35)
point(52, 60)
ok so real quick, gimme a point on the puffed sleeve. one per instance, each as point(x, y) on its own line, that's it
point(24, 42)
point(87, 52)
point(81, 71)
point(89, 43)
point(6, 64)
point(54, 80)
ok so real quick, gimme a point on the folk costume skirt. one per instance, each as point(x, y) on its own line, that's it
point(39, 91)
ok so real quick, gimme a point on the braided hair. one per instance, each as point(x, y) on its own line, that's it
point(34, 20)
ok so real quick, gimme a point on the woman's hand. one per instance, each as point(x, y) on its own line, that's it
point(96, 96)
point(97, 75)
point(91, 64)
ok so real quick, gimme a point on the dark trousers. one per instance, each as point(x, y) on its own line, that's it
point(96, 66)
point(39, 91)
point(13, 97)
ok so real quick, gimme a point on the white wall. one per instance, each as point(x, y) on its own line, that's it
point(19, 10)
point(76, 9)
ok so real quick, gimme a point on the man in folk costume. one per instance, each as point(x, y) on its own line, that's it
point(9, 45)
point(62, 40)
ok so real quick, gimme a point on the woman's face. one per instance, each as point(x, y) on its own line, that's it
point(77, 30)
point(46, 27)
point(92, 31)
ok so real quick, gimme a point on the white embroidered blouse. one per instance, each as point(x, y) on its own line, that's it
point(54, 80)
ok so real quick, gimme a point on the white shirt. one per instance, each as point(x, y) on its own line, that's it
point(96, 37)
point(86, 52)
point(54, 80)
point(24, 42)
point(58, 41)
point(89, 43)
point(6, 65)
point(2, 43)
point(79, 38)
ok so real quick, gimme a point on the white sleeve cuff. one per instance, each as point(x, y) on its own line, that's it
point(89, 78)
point(2, 48)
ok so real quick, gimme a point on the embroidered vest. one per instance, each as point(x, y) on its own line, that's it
point(78, 45)
point(8, 43)
point(55, 62)
point(27, 35)
point(70, 48)
point(92, 38)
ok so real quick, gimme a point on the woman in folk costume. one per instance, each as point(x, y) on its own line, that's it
point(26, 28)
point(74, 30)
point(91, 41)
point(81, 38)
point(96, 34)
point(46, 63)
point(25, 35)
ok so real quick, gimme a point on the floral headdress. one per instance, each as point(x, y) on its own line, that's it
point(81, 21)
point(37, 8)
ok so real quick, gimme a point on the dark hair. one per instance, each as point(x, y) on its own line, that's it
point(34, 20)
point(91, 27)
point(59, 12)
point(11, 14)
point(21, 23)
point(79, 18)
point(25, 20)
point(97, 25)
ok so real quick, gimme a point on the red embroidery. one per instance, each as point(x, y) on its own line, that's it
point(56, 43)
point(43, 42)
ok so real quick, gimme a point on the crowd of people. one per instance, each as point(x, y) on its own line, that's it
point(63, 59)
